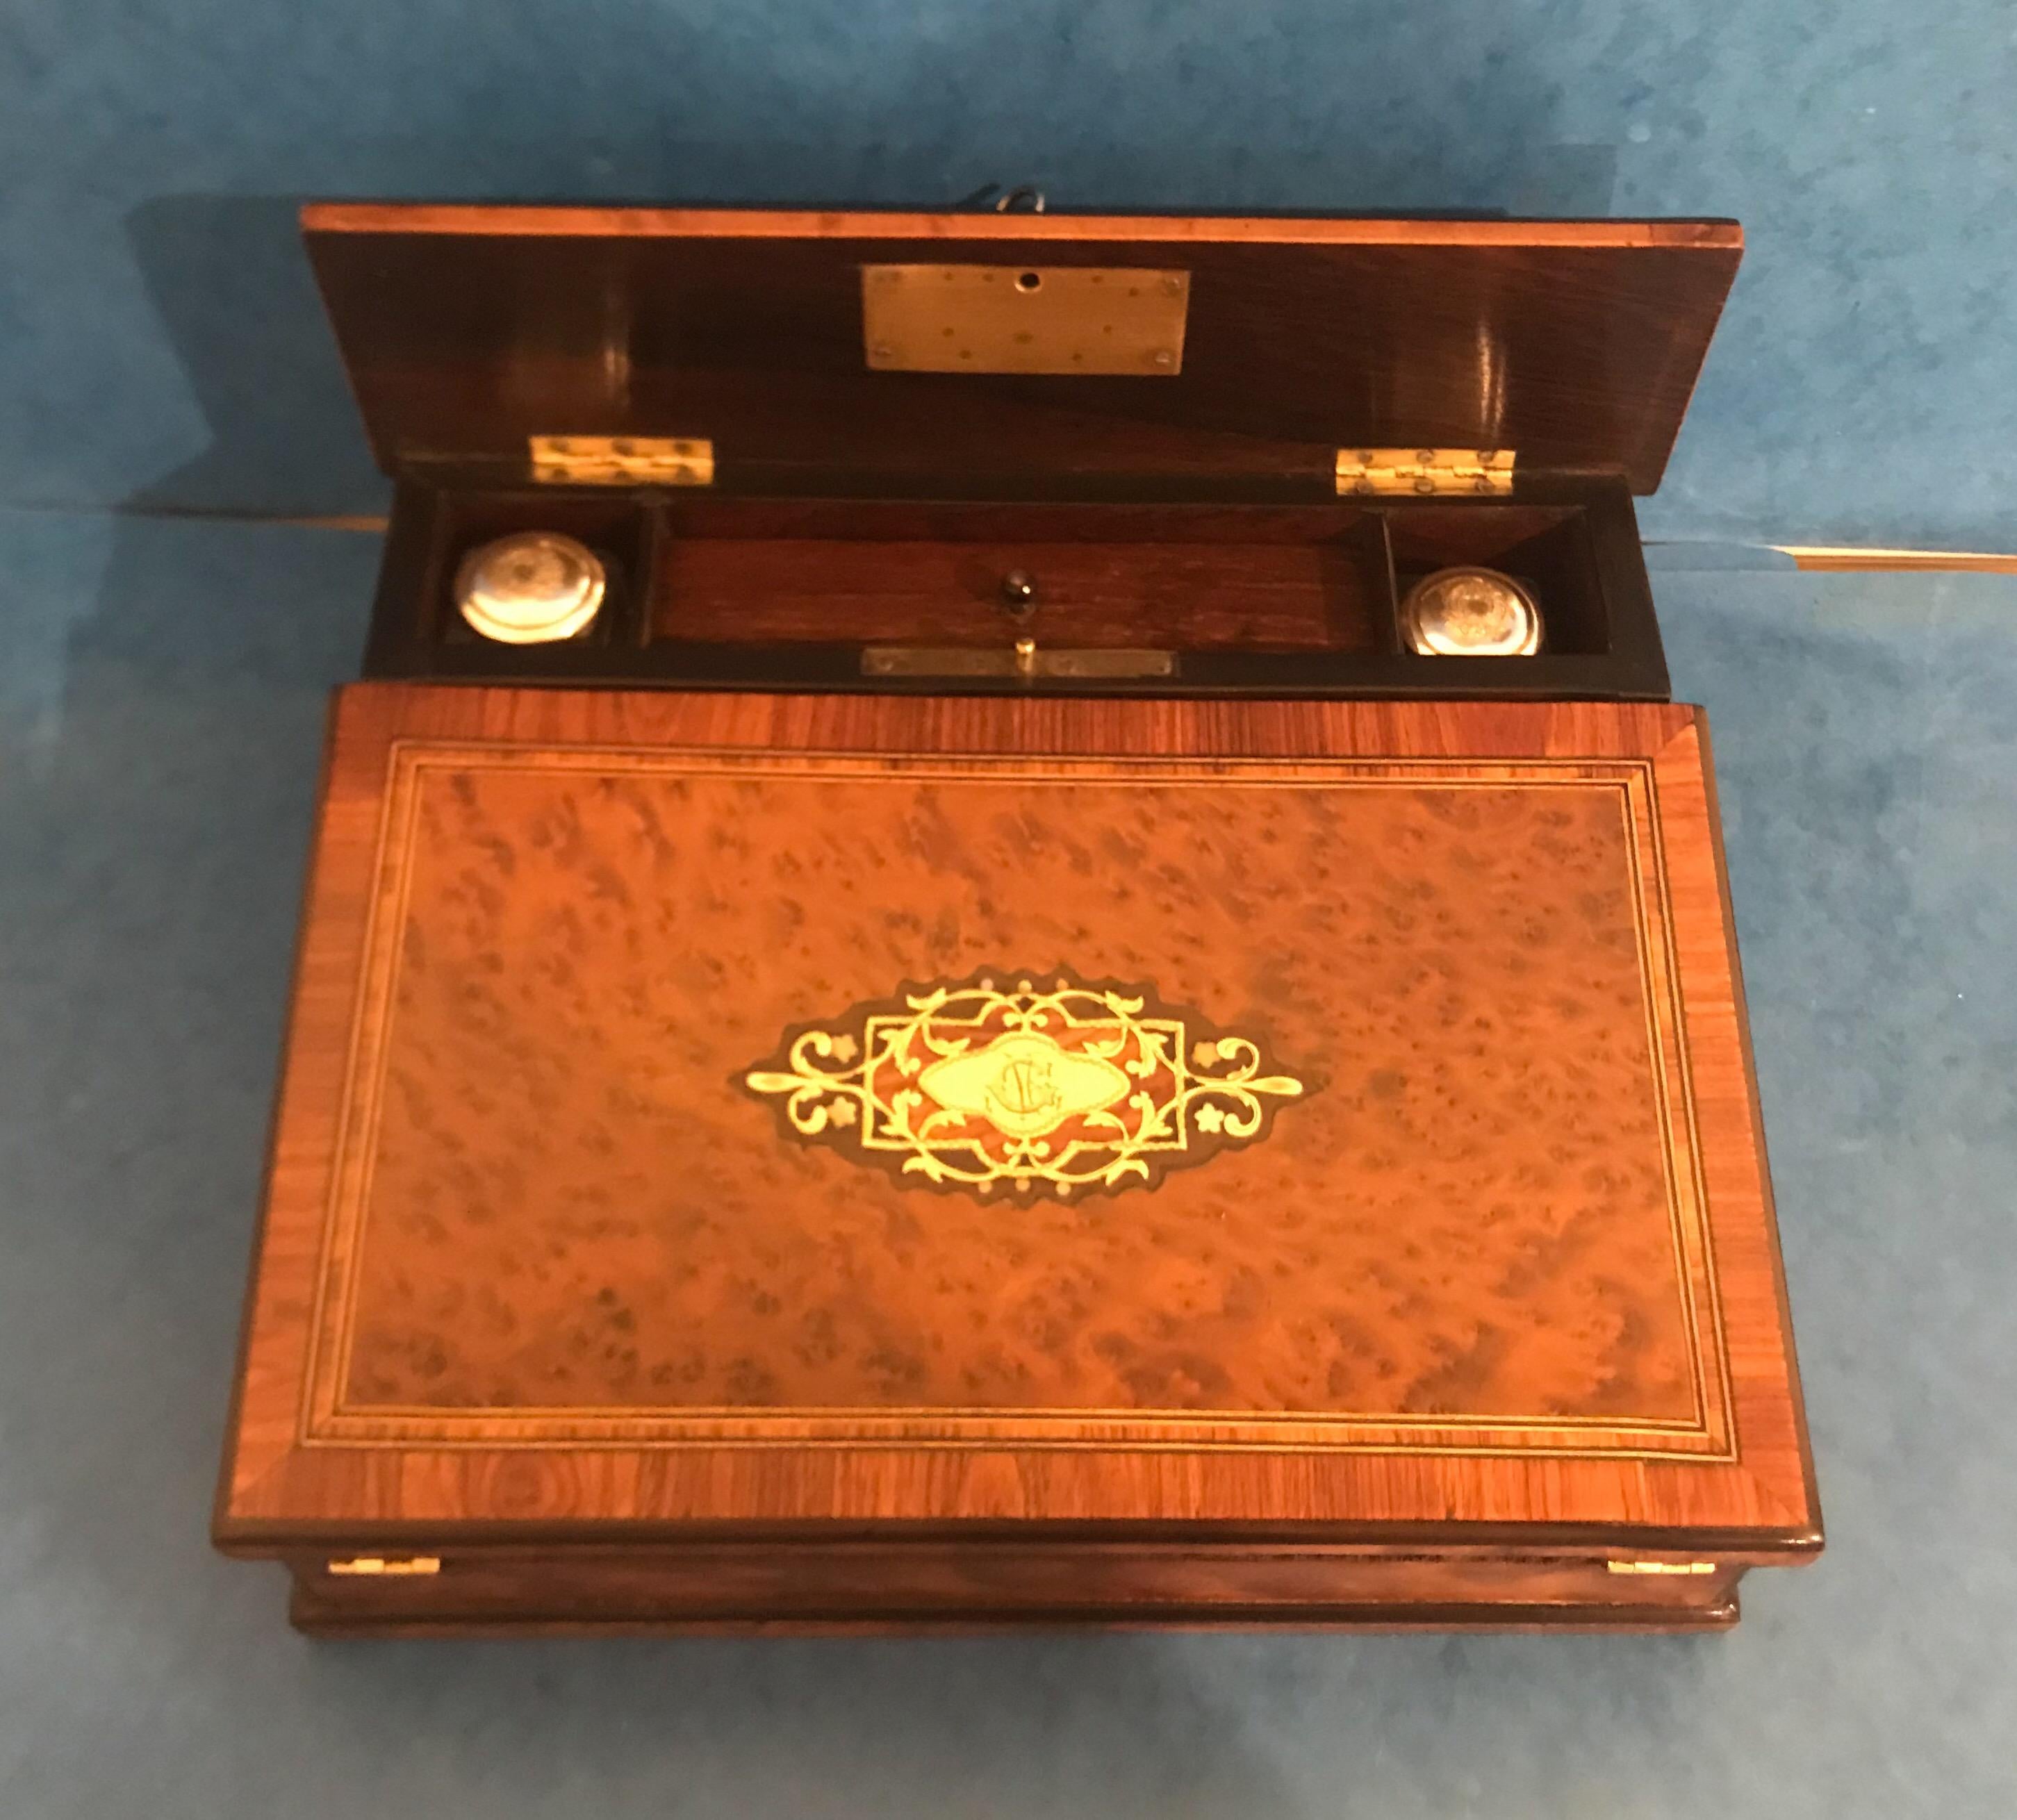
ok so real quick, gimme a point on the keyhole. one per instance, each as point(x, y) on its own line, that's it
point(1029, 281)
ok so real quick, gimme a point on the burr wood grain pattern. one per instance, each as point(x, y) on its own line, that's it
point(571, 1202)
point(535, 1273)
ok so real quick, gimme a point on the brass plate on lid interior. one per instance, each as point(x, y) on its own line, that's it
point(1025, 318)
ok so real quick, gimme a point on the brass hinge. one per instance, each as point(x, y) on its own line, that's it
point(1660, 1566)
point(623, 461)
point(388, 1565)
point(1424, 471)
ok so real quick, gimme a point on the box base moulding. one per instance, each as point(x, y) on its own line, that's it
point(953, 1588)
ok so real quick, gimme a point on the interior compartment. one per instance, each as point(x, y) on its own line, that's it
point(1547, 547)
point(717, 589)
point(1187, 578)
point(616, 526)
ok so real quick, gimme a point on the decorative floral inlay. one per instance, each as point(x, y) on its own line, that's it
point(1051, 1087)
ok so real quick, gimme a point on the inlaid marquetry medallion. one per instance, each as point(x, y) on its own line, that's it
point(1048, 1086)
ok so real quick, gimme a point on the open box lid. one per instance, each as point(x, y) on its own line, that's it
point(859, 352)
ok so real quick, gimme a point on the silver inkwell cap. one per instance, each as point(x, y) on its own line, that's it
point(533, 588)
point(1470, 613)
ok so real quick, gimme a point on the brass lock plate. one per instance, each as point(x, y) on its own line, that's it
point(1025, 318)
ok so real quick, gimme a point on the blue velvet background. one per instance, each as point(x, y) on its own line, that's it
point(162, 684)
point(159, 342)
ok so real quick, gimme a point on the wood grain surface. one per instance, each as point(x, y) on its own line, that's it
point(593, 222)
point(1181, 597)
point(853, 1586)
point(465, 331)
point(572, 1202)
point(532, 1259)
